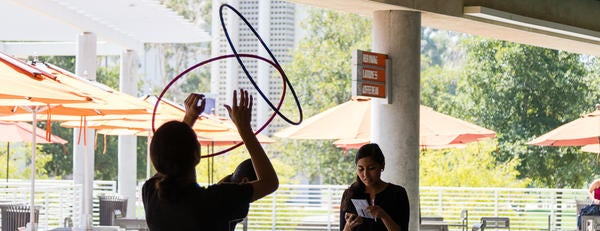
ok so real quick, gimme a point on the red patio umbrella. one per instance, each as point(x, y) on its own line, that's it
point(22, 132)
point(582, 131)
point(350, 125)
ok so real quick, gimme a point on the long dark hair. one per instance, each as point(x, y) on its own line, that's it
point(358, 187)
point(174, 152)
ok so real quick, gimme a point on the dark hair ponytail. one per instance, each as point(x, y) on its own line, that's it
point(174, 152)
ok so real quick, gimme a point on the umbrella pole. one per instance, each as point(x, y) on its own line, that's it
point(33, 150)
point(148, 154)
point(7, 160)
point(207, 166)
point(212, 163)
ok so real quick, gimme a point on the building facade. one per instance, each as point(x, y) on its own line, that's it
point(275, 22)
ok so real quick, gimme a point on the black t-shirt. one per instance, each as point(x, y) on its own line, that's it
point(393, 200)
point(196, 208)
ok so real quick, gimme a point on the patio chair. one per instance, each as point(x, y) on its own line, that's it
point(463, 221)
point(16, 216)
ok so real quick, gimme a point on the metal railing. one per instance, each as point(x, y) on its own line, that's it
point(55, 198)
point(316, 207)
point(527, 209)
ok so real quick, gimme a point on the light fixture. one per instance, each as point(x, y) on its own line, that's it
point(480, 12)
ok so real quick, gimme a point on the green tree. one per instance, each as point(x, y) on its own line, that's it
point(522, 91)
point(16, 172)
point(457, 166)
point(441, 64)
point(322, 78)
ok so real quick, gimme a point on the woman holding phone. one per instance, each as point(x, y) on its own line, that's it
point(172, 198)
point(388, 203)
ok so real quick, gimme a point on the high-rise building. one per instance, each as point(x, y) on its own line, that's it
point(275, 22)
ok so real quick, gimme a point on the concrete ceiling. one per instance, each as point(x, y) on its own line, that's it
point(52, 26)
point(557, 24)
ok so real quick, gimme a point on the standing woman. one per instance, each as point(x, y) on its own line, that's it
point(388, 202)
point(172, 198)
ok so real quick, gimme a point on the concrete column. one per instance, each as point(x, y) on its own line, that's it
point(83, 151)
point(127, 149)
point(263, 69)
point(396, 125)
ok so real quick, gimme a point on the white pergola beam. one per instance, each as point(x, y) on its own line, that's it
point(76, 19)
point(24, 49)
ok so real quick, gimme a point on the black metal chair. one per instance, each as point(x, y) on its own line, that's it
point(16, 216)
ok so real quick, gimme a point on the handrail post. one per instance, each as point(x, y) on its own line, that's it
point(329, 210)
point(496, 205)
point(440, 192)
point(273, 211)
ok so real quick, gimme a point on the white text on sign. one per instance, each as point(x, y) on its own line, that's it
point(370, 90)
point(369, 74)
point(370, 59)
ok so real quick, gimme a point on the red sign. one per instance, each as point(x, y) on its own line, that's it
point(372, 89)
point(370, 58)
point(369, 76)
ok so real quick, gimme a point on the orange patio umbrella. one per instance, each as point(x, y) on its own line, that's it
point(127, 124)
point(29, 90)
point(106, 101)
point(167, 111)
point(350, 125)
point(23, 85)
point(582, 131)
point(228, 137)
point(141, 124)
point(203, 125)
point(350, 120)
point(438, 130)
point(98, 99)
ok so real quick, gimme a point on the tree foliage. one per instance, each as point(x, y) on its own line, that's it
point(471, 166)
point(14, 170)
point(321, 74)
point(522, 91)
